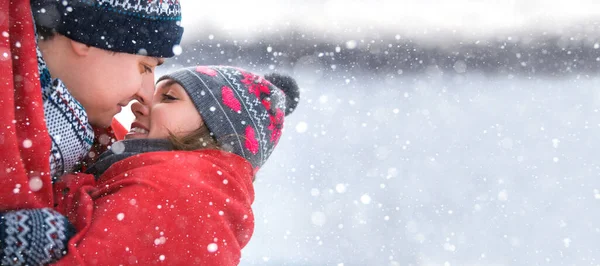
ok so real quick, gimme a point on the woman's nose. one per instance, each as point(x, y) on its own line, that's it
point(139, 109)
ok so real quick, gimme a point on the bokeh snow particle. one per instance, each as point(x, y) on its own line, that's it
point(117, 147)
point(212, 247)
point(323, 99)
point(449, 247)
point(567, 242)
point(177, 50)
point(17, 189)
point(460, 66)
point(301, 127)
point(340, 188)
point(503, 195)
point(351, 44)
point(27, 143)
point(365, 199)
point(35, 184)
point(555, 143)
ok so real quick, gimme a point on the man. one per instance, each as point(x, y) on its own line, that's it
point(104, 52)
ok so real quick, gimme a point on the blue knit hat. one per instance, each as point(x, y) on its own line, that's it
point(242, 110)
point(146, 27)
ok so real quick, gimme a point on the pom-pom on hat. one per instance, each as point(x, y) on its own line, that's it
point(244, 111)
point(145, 27)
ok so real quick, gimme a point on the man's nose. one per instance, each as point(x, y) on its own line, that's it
point(146, 91)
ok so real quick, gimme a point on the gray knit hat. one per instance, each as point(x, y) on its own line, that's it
point(244, 111)
point(146, 27)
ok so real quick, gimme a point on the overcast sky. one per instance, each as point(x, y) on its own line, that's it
point(470, 16)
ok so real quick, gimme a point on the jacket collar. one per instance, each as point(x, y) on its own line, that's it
point(124, 149)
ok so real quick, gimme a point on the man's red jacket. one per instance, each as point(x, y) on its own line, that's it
point(24, 142)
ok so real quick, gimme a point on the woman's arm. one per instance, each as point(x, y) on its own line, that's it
point(162, 214)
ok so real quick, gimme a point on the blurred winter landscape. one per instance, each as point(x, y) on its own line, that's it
point(429, 132)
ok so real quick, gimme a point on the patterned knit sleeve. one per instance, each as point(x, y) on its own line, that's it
point(33, 237)
point(70, 133)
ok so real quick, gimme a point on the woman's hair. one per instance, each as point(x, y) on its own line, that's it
point(200, 138)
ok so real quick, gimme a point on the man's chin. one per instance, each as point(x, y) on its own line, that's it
point(100, 124)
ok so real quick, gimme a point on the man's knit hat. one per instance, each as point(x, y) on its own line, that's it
point(146, 27)
point(243, 111)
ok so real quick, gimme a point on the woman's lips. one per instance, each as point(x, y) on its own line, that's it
point(137, 131)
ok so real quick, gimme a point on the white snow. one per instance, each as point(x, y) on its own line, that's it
point(35, 184)
point(212, 247)
point(365, 199)
point(117, 147)
point(177, 50)
point(27, 143)
point(301, 127)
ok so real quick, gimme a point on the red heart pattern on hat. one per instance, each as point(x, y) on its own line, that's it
point(251, 141)
point(229, 99)
point(207, 71)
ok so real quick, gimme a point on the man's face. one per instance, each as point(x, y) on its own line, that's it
point(107, 81)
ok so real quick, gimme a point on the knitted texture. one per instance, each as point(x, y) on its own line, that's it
point(67, 122)
point(244, 111)
point(147, 27)
point(34, 237)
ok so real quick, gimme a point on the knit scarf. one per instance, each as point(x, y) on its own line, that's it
point(67, 122)
point(124, 149)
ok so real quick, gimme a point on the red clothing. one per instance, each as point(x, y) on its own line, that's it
point(175, 207)
point(103, 138)
point(24, 142)
point(119, 130)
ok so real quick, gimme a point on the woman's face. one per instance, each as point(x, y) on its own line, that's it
point(171, 111)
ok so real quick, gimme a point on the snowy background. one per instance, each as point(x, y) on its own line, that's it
point(429, 132)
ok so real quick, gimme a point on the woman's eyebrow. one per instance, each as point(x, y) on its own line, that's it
point(167, 84)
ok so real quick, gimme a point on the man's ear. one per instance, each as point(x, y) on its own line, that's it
point(80, 48)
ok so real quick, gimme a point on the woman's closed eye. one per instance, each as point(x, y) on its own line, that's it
point(167, 97)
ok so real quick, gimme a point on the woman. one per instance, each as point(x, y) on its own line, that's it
point(144, 203)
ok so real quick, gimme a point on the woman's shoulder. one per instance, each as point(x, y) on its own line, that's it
point(171, 165)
